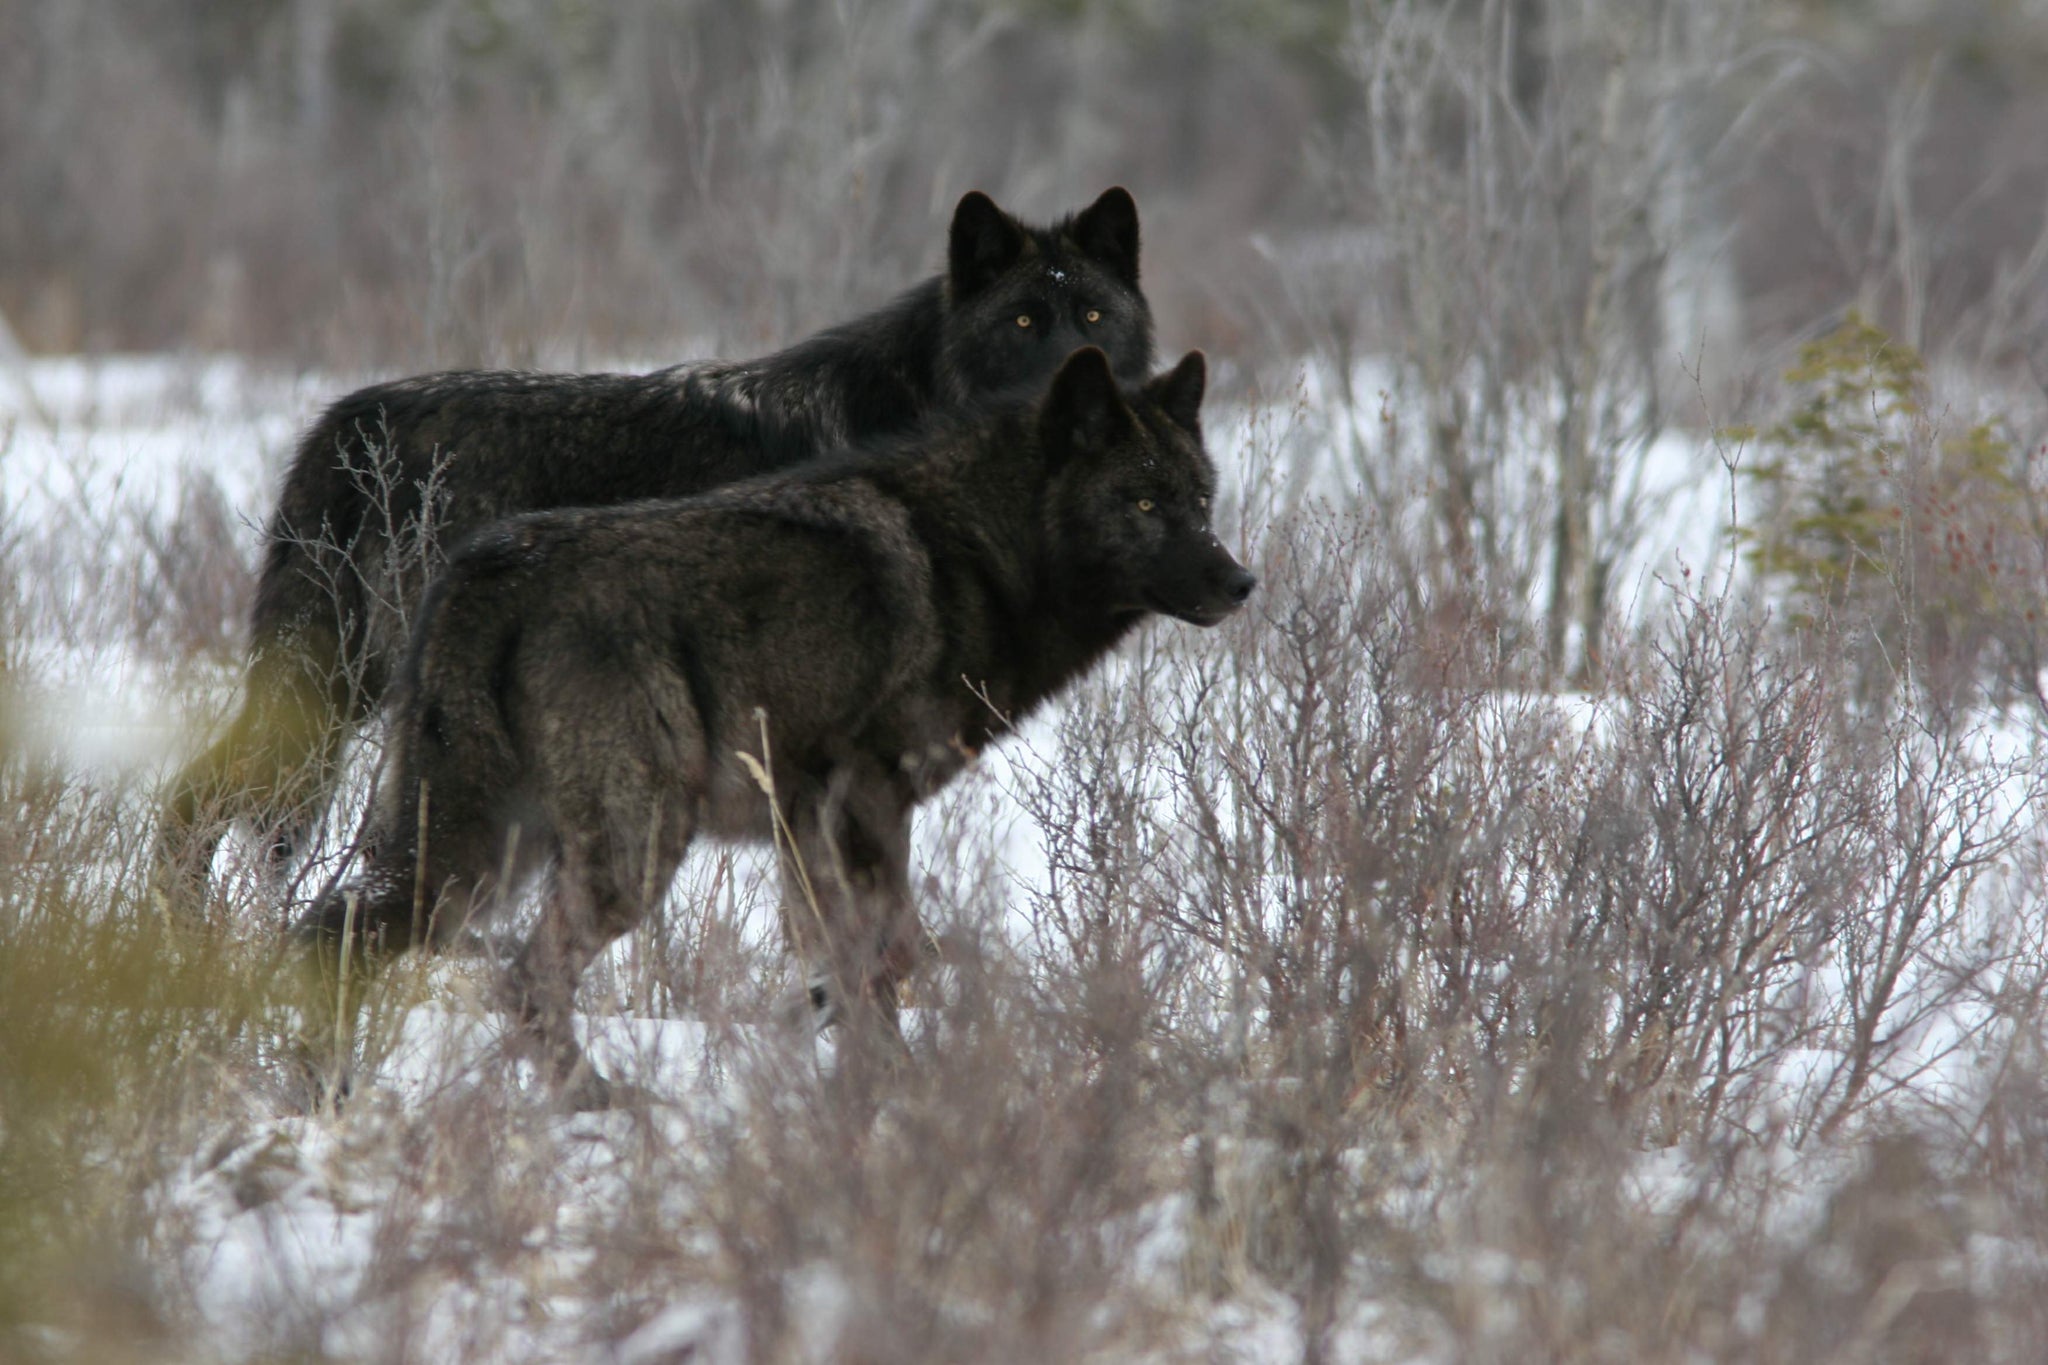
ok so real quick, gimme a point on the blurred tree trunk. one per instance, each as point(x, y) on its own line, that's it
point(312, 72)
point(1572, 601)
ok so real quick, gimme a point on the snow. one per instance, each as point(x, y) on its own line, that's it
point(288, 1219)
point(131, 430)
point(287, 1224)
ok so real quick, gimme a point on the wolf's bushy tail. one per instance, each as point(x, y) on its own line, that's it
point(279, 760)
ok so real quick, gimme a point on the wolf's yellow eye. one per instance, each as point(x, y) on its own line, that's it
point(1094, 315)
point(1023, 319)
point(1144, 504)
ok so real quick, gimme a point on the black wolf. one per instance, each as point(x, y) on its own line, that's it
point(591, 689)
point(390, 470)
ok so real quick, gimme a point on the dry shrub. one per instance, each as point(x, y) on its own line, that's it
point(1363, 994)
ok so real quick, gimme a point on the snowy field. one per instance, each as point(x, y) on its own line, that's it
point(1202, 1187)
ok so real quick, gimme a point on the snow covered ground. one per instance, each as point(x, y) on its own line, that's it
point(348, 1236)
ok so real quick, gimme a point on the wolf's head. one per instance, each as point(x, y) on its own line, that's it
point(1130, 489)
point(1020, 299)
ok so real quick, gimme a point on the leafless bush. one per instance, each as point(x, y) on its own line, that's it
point(193, 587)
point(1530, 208)
point(1403, 908)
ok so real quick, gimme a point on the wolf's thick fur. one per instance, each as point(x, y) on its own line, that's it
point(390, 470)
point(592, 689)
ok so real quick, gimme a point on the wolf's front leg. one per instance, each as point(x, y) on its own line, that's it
point(847, 903)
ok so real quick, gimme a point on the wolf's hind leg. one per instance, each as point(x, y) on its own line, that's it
point(404, 899)
point(605, 884)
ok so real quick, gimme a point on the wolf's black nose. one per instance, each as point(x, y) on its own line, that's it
point(1239, 585)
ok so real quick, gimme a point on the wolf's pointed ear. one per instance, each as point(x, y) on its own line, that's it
point(984, 242)
point(1179, 391)
point(1082, 411)
point(1108, 231)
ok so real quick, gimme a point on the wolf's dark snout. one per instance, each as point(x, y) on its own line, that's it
point(1219, 587)
point(1229, 582)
